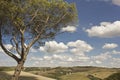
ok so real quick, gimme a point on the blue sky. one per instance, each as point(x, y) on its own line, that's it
point(95, 41)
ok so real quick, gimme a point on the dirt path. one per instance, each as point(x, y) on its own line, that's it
point(32, 75)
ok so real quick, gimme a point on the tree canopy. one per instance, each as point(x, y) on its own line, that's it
point(26, 22)
point(35, 17)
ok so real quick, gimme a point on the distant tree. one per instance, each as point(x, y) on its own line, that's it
point(27, 23)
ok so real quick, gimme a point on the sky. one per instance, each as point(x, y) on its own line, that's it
point(94, 41)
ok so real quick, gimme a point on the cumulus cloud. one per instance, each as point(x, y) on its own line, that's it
point(79, 47)
point(70, 59)
point(8, 46)
point(105, 30)
point(47, 57)
point(33, 50)
point(116, 2)
point(115, 52)
point(36, 58)
point(109, 57)
point(102, 57)
point(69, 29)
point(59, 57)
point(54, 47)
point(52, 60)
point(83, 58)
point(109, 46)
point(115, 62)
point(98, 62)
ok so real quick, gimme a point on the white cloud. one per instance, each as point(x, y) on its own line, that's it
point(115, 52)
point(102, 56)
point(36, 58)
point(54, 47)
point(47, 58)
point(115, 62)
point(17, 55)
point(8, 46)
point(83, 58)
point(70, 59)
point(98, 62)
point(116, 2)
point(33, 50)
point(79, 47)
point(110, 46)
point(105, 30)
point(5, 60)
point(59, 57)
point(107, 59)
point(69, 29)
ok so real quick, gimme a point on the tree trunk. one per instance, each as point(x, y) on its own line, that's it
point(18, 70)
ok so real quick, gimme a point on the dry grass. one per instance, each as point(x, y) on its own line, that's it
point(101, 73)
point(75, 76)
point(6, 75)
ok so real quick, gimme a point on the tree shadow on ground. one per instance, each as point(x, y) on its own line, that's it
point(5, 76)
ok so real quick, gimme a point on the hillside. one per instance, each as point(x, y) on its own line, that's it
point(64, 73)
point(75, 73)
point(5, 75)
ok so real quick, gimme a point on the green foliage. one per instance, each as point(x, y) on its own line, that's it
point(25, 22)
point(36, 16)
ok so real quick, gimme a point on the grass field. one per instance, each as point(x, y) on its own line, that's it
point(63, 73)
point(75, 76)
point(78, 73)
point(6, 75)
point(84, 75)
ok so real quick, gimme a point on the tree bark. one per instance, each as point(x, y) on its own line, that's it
point(18, 70)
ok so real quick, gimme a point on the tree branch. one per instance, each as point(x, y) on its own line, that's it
point(16, 45)
point(4, 48)
point(22, 46)
point(62, 17)
point(39, 34)
point(33, 17)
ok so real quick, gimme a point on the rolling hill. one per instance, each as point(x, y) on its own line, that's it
point(5, 75)
point(63, 73)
